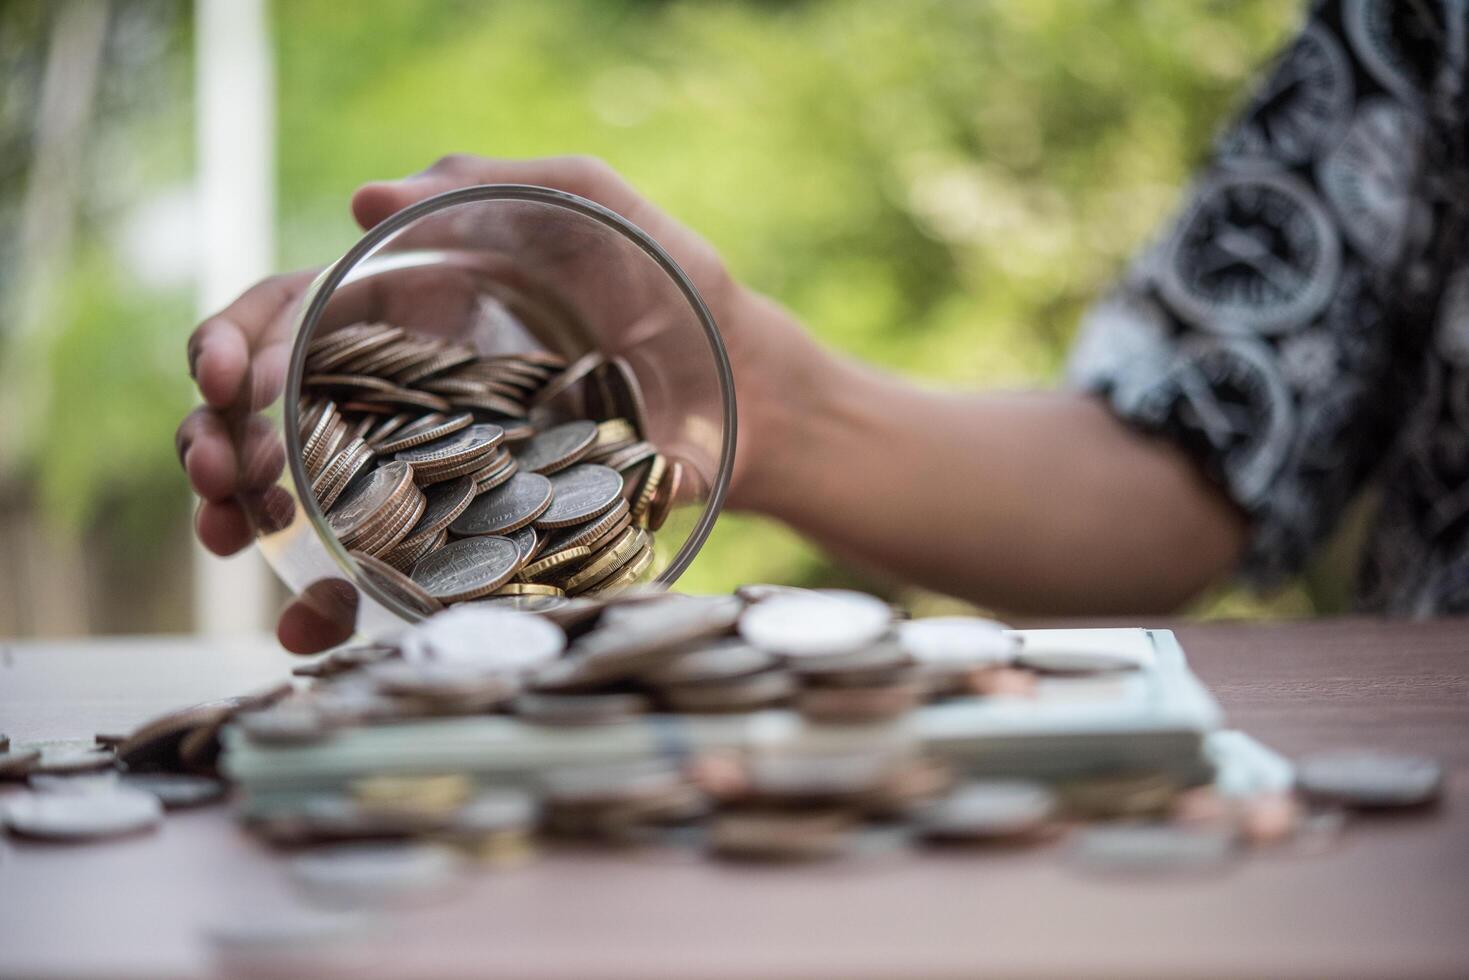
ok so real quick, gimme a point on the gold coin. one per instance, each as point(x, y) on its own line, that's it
point(528, 588)
point(649, 488)
point(611, 559)
point(614, 431)
point(553, 561)
point(627, 574)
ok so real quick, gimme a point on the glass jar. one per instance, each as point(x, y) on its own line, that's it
point(502, 269)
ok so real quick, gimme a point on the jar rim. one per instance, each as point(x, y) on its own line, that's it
point(325, 285)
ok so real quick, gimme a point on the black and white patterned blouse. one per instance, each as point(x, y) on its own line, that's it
point(1302, 328)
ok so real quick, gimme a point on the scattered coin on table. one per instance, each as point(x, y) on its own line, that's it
point(775, 725)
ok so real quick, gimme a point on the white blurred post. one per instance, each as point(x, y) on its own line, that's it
point(235, 132)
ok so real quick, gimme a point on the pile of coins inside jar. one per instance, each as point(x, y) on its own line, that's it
point(454, 476)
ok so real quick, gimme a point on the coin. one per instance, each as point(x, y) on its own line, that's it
point(579, 709)
point(664, 497)
point(369, 874)
point(607, 561)
point(813, 624)
point(750, 693)
point(494, 639)
point(569, 378)
point(857, 705)
point(581, 493)
point(780, 836)
point(987, 810)
point(288, 723)
point(613, 432)
point(553, 561)
point(1149, 849)
point(64, 759)
point(640, 493)
point(177, 790)
point(468, 568)
point(1138, 794)
point(455, 448)
point(950, 642)
point(397, 585)
point(16, 762)
point(725, 660)
point(523, 603)
point(528, 542)
point(507, 508)
point(1370, 779)
point(528, 588)
point(883, 662)
point(557, 448)
point(83, 816)
point(589, 533)
point(368, 498)
point(446, 501)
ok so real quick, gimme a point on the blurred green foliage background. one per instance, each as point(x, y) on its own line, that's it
point(936, 186)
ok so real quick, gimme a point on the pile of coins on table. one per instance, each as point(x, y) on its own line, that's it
point(454, 476)
point(611, 668)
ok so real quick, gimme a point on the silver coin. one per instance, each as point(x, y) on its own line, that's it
point(688, 616)
point(506, 508)
point(815, 623)
point(67, 758)
point(176, 790)
point(366, 497)
point(446, 501)
point(579, 709)
point(957, 642)
point(496, 811)
point(527, 542)
point(1370, 780)
point(462, 445)
point(581, 493)
point(987, 809)
point(723, 661)
point(468, 568)
point(288, 723)
point(555, 449)
point(86, 782)
point(428, 429)
point(371, 874)
point(489, 638)
point(1150, 849)
point(83, 816)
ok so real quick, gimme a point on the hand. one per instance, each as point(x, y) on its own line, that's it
point(238, 357)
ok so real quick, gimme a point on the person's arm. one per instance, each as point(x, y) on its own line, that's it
point(1038, 501)
point(1027, 501)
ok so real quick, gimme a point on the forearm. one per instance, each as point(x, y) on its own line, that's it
point(1038, 501)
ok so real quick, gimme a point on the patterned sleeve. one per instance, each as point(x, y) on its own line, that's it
point(1255, 332)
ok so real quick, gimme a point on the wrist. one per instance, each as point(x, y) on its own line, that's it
point(788, 391)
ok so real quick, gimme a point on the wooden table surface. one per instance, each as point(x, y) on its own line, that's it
point(1391, 900)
